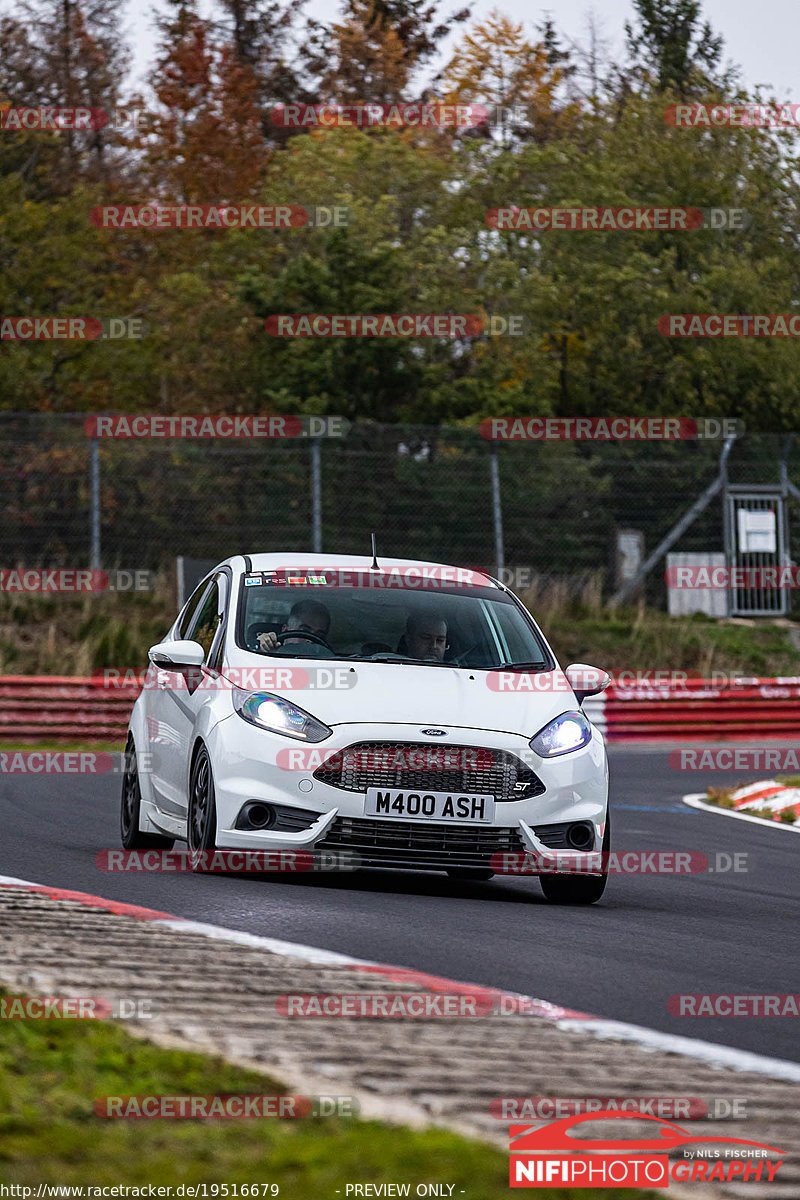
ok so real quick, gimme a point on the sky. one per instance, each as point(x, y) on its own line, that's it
point(761, 36)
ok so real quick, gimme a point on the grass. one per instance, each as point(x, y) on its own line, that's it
point(51, 1071)
point(75, 635)
point(721, 797)
point(580, 629)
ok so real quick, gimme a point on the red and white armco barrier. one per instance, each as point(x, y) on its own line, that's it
point(767, 795)
point(65, 708)
point(73, 708)
point(699, 710)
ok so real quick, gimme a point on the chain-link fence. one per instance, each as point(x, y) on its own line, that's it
point(427, 493)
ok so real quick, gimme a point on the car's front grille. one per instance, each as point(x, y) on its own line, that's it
point(470, 770)
point(419, 844)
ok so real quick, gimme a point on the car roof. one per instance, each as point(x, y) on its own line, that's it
point(270, 562)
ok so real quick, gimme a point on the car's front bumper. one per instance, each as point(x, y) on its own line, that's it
point(245, 763)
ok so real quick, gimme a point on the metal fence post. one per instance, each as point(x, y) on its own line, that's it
point(717, 485)
point(497, 512)
point(316, 496)
point(94, 487)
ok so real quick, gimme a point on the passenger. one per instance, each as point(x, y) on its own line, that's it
point(425, 637)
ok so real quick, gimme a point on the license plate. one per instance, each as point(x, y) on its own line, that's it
point(432, 806)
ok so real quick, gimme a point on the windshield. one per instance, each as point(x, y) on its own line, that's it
point(479, 627)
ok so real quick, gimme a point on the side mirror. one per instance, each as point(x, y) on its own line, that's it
point(176, 655)
point(587, 681)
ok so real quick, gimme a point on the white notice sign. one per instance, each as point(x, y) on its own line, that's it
point(757, 531)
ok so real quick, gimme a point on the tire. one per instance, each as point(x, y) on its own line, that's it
point(568, 889)
point(201, 825)
point(130, 809)
point(475, 874)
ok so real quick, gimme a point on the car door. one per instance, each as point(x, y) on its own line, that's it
point(190, 690)
point(162, 714)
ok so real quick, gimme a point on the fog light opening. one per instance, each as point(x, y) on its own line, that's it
point(580, 836)
point(260, 816)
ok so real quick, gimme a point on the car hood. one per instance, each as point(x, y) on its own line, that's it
point(393, 693)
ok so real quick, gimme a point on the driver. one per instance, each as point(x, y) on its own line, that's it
point(425, 637)
point(310, 616)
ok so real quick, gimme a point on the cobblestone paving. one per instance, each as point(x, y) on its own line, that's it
point(213, 995)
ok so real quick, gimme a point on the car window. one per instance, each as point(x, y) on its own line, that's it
point(207, 621)
point(190, 610)
point(214, 657)
point(479, 627)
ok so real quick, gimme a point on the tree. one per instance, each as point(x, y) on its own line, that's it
point(259, 33)
point(65, 54)
point(591, 301)
point(371, 54)
point(205, 143)
point(497, 66)
point(670, 47)
point(366, 59)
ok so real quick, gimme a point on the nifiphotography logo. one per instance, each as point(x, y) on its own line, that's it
point(551, 1156)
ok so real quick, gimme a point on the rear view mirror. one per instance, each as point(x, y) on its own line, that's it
point(587, 681)
point(176, 655)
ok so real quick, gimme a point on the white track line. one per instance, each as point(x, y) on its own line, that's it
point(274, 945)
point(650, 1039)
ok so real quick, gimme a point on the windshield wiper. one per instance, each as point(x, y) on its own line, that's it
point(308, 657)
point(521, 666)
point(409, 662)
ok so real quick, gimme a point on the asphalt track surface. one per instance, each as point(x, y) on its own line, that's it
point(650, 937)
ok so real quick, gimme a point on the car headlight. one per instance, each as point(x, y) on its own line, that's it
point(568, 732)
point(279, 716)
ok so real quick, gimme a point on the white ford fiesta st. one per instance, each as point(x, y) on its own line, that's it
point(409, 714)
